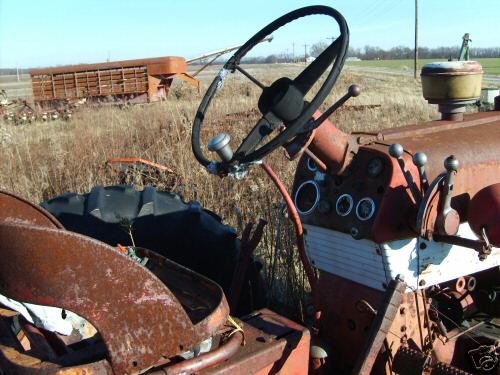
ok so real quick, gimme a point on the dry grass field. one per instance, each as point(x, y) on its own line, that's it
point(42, 160)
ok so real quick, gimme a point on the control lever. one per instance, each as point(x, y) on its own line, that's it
point(220, 144)
point(396, 151)
point(448, 219)
point(420, 160)
point(352, 91)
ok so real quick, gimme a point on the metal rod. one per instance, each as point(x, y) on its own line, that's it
point(321, 166)
point(205, 66)
point(467, 330)
point(224, 50)
point(206, 360)
point(249, 76)
point(419, 321)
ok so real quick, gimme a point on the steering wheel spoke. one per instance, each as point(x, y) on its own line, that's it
point(310, 75)
point(260, 131)
point(249, 76)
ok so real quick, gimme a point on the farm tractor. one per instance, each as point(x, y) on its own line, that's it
point(398, 232)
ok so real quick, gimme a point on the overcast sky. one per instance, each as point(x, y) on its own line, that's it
point(40, 33)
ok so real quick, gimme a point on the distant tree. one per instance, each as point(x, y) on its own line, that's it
point(377, 53)
point(354, 52)
point(400, 52)
point(317, 48)
point(271, 59)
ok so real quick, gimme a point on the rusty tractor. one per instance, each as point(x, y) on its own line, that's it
point(398, 232)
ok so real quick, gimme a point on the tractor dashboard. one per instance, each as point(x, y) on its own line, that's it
point(349, 202)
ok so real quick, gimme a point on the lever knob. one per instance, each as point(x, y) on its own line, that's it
point(448, 219)
point(451, 163)
point(220, 144)
point(354, 90)
point(419, 159)
point(396, 150)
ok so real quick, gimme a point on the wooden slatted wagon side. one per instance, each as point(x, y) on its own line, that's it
point(141, 80)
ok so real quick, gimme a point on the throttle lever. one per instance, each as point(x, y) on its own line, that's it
point(396, 151)
point(420, 160)
point(448, 219)
point(352, 91)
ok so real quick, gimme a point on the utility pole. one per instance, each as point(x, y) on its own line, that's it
point(305, 54)
point(293, 52)
point(17, 72)
point(415, 62)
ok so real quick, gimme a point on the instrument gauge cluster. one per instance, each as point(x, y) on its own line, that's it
point(348, 202)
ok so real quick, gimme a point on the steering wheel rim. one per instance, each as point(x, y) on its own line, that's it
point(338, 48)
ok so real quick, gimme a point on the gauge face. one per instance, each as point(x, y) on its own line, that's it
point(344, 205)
point(375, 167)
point(311, 165)
point(307, 197)
point(365, 209)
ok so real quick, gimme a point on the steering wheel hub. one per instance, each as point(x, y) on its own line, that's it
point(283, 99)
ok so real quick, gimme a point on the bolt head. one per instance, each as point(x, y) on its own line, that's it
point(419, 159)
point(451, 163)
point(354, 90)
point(396, 150)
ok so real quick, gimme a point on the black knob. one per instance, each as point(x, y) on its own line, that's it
point(354, 90)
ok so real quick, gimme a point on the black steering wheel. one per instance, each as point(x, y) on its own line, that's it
point(283, 101)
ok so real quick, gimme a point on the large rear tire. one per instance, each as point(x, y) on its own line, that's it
point(159, 220)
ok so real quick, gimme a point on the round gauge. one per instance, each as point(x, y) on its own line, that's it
point(311, 165)
point(365, 209)
point(307, 197)
point(344, 205)
point(375, 167)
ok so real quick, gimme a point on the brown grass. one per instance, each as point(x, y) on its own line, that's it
point(42, 160)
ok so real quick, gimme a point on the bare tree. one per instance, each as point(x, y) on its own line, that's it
point(317, 48)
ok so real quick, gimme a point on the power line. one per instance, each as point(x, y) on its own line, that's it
point(415, 62)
